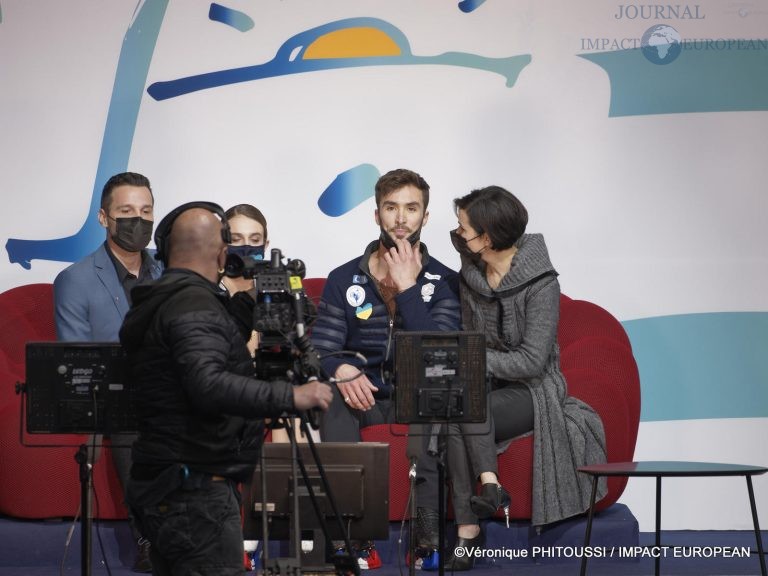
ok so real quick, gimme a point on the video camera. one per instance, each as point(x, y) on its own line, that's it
point(281, 315)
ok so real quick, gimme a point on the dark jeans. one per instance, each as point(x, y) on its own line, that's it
point(195, 530)
point(471, 448)
point(342, 424)
point(121, 458)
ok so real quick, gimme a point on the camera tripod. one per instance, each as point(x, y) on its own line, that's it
point(314, 561)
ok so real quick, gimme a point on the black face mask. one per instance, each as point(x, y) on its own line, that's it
point(388, 243)
point(247, 251)
point(461, 246)
point(132, 234)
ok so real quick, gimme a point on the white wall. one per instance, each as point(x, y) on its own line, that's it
point(658, 217)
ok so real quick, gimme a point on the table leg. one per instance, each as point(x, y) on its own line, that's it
point(657, 560)
point(588, 535)
point(756, 522)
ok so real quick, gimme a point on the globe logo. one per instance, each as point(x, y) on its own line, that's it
point(661, 44)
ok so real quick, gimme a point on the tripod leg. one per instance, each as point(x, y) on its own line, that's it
point(264, 512)
point(412, 527)
point(441, 502)
point(328, 492)
point(81, 457)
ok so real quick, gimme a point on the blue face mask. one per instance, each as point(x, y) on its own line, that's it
point(246, 252)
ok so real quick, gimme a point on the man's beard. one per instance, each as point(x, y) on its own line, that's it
point(386, 239)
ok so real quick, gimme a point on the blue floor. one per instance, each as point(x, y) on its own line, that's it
point(40, 548)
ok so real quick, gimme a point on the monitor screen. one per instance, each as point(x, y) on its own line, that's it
point(78, 387)
point(358, 477)
point(440, 377)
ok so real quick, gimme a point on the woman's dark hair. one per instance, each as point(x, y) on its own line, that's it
point(249, 212)
point(497, 212)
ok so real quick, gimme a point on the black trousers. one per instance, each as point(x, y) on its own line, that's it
point(342, 424)
point(471, 448)
point(195, 530)
point(121, 457)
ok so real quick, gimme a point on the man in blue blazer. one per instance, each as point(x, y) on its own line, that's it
point(92, 296)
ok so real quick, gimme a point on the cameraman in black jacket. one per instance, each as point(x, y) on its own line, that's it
point(197, 401)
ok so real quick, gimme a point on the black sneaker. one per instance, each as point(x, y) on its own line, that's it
point(363, 551)
point(142, 563)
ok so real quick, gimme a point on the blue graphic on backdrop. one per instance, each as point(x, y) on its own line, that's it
point(348, 43)
point(697, 366)
point(708, 76)
point(661, 44)
point(467, 6)
point(238, 20)
point(130, 79)
point(348, 189)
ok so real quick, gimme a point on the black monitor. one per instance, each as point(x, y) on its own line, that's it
point(440, 377)
point(78, 388)
point(358, 475)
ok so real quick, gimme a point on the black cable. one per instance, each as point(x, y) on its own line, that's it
point(92, 485)
point(402, 527)
point(98, 532)
point(358, 355)
point(68, 541)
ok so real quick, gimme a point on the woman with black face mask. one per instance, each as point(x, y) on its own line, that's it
point(248, 227)
point(510, 292)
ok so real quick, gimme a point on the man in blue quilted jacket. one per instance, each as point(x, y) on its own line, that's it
point(395, 285)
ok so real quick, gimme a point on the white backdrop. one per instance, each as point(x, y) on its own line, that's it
point(657, 214)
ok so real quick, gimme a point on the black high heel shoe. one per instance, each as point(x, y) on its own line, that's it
point(492, 497)
point(467, 561)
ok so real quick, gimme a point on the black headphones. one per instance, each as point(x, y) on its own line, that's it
point(163, 230)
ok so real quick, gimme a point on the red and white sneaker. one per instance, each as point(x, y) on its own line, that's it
point(367, 557)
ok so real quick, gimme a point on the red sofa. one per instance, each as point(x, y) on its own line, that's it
point(40, 482)
point(597, 362)
point(35, 482)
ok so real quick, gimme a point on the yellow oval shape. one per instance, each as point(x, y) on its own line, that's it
point(352, 43)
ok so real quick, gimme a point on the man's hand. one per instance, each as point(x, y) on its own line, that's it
point(404, 263)
point(314, 394)
point(357, 393)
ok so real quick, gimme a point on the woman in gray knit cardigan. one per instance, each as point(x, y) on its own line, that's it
point(510, 292)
